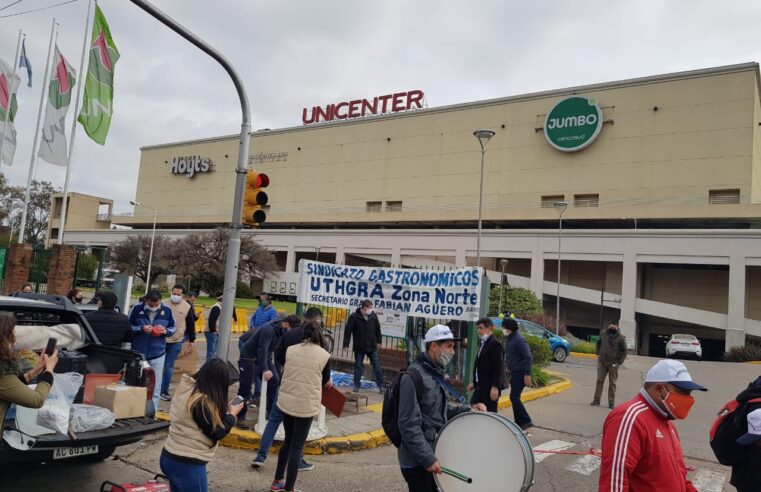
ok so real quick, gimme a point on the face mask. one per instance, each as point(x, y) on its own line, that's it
point(367, 312)
point(444, 359)
point(612, 331)
point(484, 336)
point(678, 405)
point(175, 298)
point(151, 309)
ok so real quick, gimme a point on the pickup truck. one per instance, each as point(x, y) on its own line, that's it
point(46, 311)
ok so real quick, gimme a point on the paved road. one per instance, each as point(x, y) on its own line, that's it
point(566, 423)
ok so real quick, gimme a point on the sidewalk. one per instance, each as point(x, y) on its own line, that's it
point(355, 431)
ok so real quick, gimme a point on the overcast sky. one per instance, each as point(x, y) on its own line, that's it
point(293, 54)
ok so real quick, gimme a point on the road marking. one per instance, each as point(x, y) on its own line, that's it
point(586, 465)
point(708, 481)
point(554, 445)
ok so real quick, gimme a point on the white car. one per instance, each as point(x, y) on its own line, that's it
point(684, 345)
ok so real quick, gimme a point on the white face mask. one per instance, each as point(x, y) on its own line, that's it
point(367, 312)
point(445, 359)
point(484, 336)
point(175, 298)
point(151, 309)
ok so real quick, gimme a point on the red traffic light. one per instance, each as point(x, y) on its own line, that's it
point(262, 180)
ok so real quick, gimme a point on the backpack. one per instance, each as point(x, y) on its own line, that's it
point(725, 430)
point(390, 414)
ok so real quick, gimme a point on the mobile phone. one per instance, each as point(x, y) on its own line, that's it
point(52, 342)
point(237, 400)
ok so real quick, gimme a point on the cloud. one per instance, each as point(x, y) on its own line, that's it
point(294, 54)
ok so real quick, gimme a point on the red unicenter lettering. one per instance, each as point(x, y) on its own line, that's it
point(400, 101)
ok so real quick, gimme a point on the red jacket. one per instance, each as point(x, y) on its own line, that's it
point(641, 451)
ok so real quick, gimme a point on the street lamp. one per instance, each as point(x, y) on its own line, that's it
point(483, 137)
point(560, 207)
point(153, 238)
point(503, 263)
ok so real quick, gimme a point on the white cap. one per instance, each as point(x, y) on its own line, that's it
point(438, 333)
point(754, 428)
point(672, 372)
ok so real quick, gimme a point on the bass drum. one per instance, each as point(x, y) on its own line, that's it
point(487, 448)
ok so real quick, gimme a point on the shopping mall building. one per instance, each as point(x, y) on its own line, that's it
point(661, 176)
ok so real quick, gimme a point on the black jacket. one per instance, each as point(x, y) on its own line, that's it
point(490, 366)
point(110, 327)
point(366, 332)
point(518, 355)
point(746, 471)
point(291, 337)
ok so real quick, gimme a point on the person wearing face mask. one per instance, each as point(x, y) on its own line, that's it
point(611, 353)
point(152, 321)
point(489, 373)
point(641, 449)
point(265, 313)
point(364, 326)
point(420, 420)
point(519, 362)
point(185, 319)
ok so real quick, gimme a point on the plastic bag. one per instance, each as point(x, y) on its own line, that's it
point(54, 414)
point(85, 418)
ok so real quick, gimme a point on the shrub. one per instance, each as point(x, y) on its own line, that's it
point(583, 347)
point(518, 300)
point(748, 353)
point(243, 291)
point(540, 350)
point(539, 376)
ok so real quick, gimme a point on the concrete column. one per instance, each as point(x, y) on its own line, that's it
point(340, 256)
point(627, 323)
point(290, 260)
point(63, 263)
point(459, 259)
point(19, 262)
point(736, 296)
point(396, 257)
point(537, 274)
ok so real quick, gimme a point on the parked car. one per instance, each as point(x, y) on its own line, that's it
point(685, 346)
point(560, 346)
point(42, 310)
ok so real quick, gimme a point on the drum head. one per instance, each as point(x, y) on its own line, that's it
point(488, 448)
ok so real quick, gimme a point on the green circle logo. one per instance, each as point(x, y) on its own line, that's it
point(573, 123)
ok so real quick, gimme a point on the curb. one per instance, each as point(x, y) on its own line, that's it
point(246, 439)
point(583, 355)
point(754, 362)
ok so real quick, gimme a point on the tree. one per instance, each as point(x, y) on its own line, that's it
point(516, 299)
point(87, 267)
point(131, 256)
point(38, 214)
point(204, 256)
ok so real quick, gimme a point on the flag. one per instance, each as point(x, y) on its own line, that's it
point(97, 105)
point(53, 145)
point(9, 83)
point(23, 62)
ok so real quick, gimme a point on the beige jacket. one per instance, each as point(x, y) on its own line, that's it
point(180, 312)
point(301, 387)
point(185, 437)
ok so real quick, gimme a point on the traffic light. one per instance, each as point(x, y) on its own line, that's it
point(255, 199)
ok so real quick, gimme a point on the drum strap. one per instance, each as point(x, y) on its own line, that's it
point(449, 389)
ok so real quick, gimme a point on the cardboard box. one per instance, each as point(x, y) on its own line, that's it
point(125, 401)
point(187, 362)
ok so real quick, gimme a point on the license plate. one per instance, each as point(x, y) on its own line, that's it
point(62, 453)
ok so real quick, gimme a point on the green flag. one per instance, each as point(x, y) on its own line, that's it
point(97, 105)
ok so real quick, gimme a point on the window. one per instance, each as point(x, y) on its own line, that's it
point(549, 201)
point(394, 206)
point(373, 206)
point(722, 197)
point(591, 200)
point(532, 328)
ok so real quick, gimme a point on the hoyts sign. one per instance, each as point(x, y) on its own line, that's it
point(190, 165)
point(390, 103)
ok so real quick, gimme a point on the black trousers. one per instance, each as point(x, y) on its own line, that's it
point(519, 411)
point(481, 396)
point(292, 450)
point(419, 480)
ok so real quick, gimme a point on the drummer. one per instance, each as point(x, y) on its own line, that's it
point(420, 420)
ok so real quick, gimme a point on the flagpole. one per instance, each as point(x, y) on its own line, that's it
point(10, 100)
point(82, 80)
point(45, 89)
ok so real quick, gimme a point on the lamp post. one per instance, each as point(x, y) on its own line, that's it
point(153, 238)
point(316, 253)
point(560, 207)
point(483, 137)
point(10, 237)
point(503, 263)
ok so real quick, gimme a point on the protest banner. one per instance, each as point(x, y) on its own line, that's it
point(450, 294)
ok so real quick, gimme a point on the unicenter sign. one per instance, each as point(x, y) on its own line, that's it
point(573, 123)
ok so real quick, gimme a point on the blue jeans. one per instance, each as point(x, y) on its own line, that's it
point(359, 360)
point(274, 421)
point(158, 368)
point(172, 352)
point(184, 477)
point(211, 345)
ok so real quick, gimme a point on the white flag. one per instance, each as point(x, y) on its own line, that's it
point(53, 146)
point(8, 86)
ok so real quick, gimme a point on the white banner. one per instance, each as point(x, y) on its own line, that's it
point(439, 294)
point(8, 86)
point(53, 146)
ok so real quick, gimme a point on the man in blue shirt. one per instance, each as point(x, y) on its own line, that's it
point(265, 313)
point(152, 322)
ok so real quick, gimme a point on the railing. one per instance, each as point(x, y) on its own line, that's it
point(103, 218)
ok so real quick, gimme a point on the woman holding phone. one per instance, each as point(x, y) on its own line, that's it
point(200, 416)
point(13, 383)
point(305, 373)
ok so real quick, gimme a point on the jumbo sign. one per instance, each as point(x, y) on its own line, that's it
point(573, 123)
point(390, 103)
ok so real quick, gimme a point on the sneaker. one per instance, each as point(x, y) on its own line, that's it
point(304, 466)
point(241, 424)
point(257, 463)
point(526, 427)
point(595, 403)
point(165, 397)
point(611, 405)
point(277, 486)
